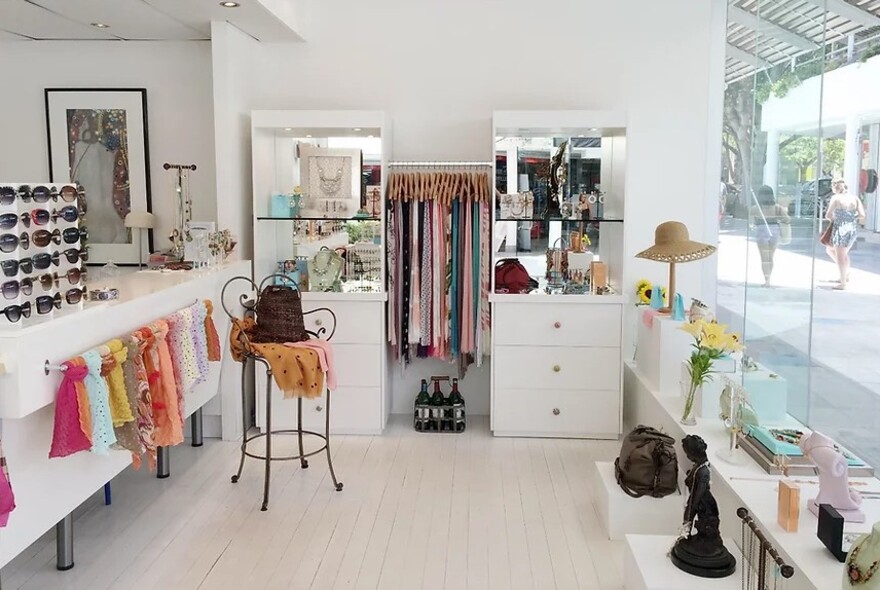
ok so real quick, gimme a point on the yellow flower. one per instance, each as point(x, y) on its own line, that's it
point(714, 336)
point(643, 294)
point(642, 284)
point(586, 240)
point(694, 328)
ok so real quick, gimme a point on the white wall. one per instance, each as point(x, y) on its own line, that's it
point(177, 76)
point(439, 69)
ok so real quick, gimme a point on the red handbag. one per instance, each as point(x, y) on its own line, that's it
point(512, 277)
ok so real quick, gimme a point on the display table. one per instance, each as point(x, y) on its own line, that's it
point(621, 514)
point(646, 566)
point(749, 486)
point(47, 490)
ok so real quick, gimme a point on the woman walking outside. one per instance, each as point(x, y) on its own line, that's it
point(845, 212)
point(766, 218)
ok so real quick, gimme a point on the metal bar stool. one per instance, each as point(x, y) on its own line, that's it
point(249, 303)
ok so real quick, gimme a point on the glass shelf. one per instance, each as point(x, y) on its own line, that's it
point(270, 218)
point(572, 219)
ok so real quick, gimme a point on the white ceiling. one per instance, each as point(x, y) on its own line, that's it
point(136, 20)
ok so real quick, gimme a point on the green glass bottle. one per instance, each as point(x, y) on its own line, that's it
point(457, 402)
point(437, 403)
point(422, 411)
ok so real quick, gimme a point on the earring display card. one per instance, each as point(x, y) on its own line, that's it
point(789, 506)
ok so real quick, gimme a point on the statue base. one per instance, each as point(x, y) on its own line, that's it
point(705, 560)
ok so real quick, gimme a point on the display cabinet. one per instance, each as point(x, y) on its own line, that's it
point(557, 287)
point(319, 219)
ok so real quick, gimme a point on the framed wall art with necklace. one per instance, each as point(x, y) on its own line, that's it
point(332, 181)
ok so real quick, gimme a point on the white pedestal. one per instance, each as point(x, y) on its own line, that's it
point(661, 349)
point(646, 566)
point(621, 514)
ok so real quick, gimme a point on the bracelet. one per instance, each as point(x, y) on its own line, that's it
point(103, 294)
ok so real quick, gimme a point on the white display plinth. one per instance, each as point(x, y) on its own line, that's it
point(646, 566)
point(661, 350)
point(621, 514)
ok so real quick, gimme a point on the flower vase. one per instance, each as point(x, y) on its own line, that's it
point(690, 391)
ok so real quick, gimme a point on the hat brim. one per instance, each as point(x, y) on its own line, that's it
point(688, 251)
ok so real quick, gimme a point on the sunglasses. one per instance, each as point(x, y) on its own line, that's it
point(10, 267)
point(13, 313)
point(73, 276)
point(73, 255)
point(42, 194)
point(9, 242)
point(45, 303)
point(38, 216)
point(74, 296)
point(11, 289)
point(7, 195)
point(70, 214)
point(43, 260)
point(68, 194)
point(43, 237)
point(10, 220)
point(24, 193)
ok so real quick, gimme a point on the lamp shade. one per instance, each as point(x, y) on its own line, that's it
point(140, 219)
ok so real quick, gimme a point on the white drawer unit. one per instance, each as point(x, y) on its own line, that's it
point(557, 369)
point(359, 404)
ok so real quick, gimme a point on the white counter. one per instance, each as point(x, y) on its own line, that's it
point(750, 486)
point(47, 490)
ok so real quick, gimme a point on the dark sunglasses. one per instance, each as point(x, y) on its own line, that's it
point(43, 237)
point(74, 296)
point(10, 267)
point(7, 195)
point(45, 303)
point(10, 220)
point(11, 289)
point(73, 255)
point(24, 193)
point(39, 217)
point(13, 313)
point(69, 214)
point(9, 242)
point(42, 194)
point(73, 276)
point(72, 235)
point(43, 260)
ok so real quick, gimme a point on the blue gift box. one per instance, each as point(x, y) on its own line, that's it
point(280, 206)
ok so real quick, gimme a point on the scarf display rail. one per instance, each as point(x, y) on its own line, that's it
point(439, 226)
point(248, 352)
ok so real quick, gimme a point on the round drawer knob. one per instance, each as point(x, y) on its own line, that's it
point(555, 411)
point(556, 368)
point(319, 409)
point(318, 322)
point(557, 325)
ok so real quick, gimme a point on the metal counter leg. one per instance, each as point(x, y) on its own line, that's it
point(163, 462)
point(244, 421)
point(108, 494)
point(268, 475)
point(197, 428)
point(338, 484)
point(64, 543)
point(303, 462)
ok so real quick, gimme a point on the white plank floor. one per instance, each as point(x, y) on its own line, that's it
point(418, 511)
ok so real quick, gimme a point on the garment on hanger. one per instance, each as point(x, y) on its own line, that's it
point(127, 435)
point(169, 430)
point(68, 436)
point(111, 370)
point(198, 335)
point(138, 351)
point(102, 423)
point(7, 498)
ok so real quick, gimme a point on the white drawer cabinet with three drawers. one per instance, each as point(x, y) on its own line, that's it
point(557, 366)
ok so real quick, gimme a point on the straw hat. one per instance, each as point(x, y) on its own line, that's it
point(673, 244)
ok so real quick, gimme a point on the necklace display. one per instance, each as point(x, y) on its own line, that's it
point(330, 185)
point(854, 571)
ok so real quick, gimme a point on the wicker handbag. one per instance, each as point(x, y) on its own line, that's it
point(279, 316)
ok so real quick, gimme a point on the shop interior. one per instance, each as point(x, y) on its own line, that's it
point(311, 296)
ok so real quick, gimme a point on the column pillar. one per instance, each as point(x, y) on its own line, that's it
point(852, 159)
point(873, 219)
point(512, 188)
point(771, 168)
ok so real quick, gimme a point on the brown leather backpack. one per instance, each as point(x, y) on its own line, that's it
point(647, 465)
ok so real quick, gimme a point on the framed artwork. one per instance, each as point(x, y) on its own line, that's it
point(331, 181)
point(98, 139)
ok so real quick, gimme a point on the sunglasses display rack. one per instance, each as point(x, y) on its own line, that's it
point(42, 245)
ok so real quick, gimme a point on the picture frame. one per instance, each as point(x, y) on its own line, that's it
point(331, 180)
point(98, 138)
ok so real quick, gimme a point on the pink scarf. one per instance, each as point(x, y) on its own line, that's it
point(67, 436)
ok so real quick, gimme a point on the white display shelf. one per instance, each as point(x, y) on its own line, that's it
point(747, 485)
point(646, 566)
point(555, 298)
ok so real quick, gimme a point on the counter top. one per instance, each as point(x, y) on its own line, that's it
point(537, 297)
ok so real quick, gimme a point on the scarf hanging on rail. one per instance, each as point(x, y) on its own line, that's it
point(438, 260)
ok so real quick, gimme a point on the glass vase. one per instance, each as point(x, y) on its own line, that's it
point(689, 389)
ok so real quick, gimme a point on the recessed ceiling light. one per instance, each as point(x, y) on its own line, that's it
point(230, 4)
point(357, 128)
point(288, 128)
point(370, 136)
point(594, 129)
point(308, 136)
point(581, 135)
point(100, 26)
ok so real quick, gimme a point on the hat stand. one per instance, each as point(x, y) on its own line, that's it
point(670, 291)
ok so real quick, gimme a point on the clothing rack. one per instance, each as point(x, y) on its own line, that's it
point(764, 548)
point(440, 164)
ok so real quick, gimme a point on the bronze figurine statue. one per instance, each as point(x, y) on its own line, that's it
point(702, 553)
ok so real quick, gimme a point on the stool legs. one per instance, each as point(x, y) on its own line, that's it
point(64, 543)
point(268, 475)
point(244, 421)
point(303, 462)
point(337, 484)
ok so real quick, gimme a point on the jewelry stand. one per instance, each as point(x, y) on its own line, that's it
point(250, 306)
point(732, 454)
point(762, 567)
